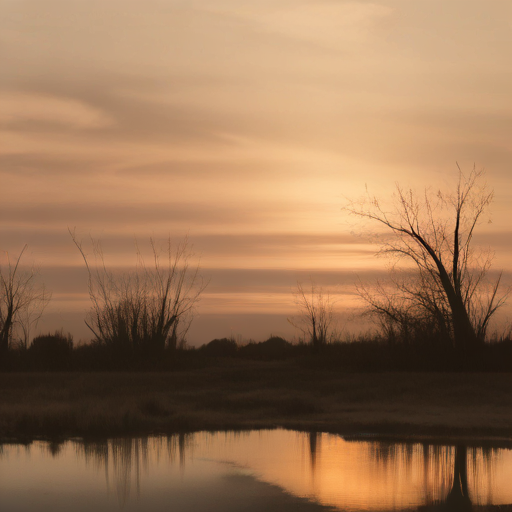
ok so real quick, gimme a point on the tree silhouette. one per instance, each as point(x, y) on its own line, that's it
point(22, 301)
point(434, 231)
point(316, 315)
point(139, 311)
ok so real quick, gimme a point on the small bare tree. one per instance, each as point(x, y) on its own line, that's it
point(146, 309)
point(22, 301)
point(316, 316)
point(434, 232)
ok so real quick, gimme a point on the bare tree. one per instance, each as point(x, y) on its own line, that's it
point(147, 308)
point(316, 316)
point(22, 301)
point(434, 232)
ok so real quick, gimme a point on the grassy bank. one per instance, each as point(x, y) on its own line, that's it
point(234, 394)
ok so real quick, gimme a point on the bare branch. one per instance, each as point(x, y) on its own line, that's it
point(316, 316)
point(435, 232)
point(138, 311)
point(22, 301)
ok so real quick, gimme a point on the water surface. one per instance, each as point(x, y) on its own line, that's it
point(252, 471)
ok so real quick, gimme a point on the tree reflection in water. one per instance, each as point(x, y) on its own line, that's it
point(435, 459)
point(123, 460)
point(314, 440)
point(457, 499)
point(364, 474)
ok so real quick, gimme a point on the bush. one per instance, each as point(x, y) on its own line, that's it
point(224, 347)
point(139, 313)
point(273, 348)
point(52, 351)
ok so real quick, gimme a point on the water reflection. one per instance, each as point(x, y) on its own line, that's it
point(314, 441)
point(124, 461)
point(458, 497)
point(271, 470)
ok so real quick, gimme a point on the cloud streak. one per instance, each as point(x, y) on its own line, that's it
point(245, 125)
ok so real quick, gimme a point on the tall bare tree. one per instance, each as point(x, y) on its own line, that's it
point(22, 300)
point(145, 309)
point(435, 232)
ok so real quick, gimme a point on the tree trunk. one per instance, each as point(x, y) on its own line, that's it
point(5, 334)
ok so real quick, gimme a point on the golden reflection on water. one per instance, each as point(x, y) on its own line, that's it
point(125, 461)
point(327, 469)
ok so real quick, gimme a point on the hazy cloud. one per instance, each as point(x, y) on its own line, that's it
point(40, 163)
point(243, 124)
point(137, 218)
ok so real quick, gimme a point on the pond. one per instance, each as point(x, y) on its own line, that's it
point(269, 470)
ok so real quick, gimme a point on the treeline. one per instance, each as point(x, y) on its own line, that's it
point(434, 313)
point(57, 353)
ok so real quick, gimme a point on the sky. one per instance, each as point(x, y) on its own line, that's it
point(244, 125)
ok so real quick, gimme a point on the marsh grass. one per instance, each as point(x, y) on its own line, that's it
point(248, 394)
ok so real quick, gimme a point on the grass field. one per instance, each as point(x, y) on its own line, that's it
point(248, 394)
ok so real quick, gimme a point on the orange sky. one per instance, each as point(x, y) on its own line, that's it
point(243, 124)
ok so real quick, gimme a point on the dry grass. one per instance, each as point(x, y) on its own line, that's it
point(242, 395)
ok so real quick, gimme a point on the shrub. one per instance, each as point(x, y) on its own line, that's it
point(52, 351)
point(223, 347)
point(273, 348)
point(139, 313)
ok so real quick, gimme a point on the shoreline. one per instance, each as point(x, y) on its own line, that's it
point(480, 441)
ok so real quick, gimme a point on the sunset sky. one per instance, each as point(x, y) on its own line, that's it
point(246, 125)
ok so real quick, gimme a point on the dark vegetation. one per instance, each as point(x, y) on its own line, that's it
point(245, 394)
point(142, 312)
point(56, 352)
point(431, 319)
point(447, 291)
point(430, 368)
point(22, 302)
point(316, 316)
point(433, 315)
